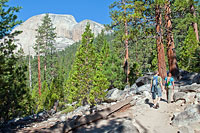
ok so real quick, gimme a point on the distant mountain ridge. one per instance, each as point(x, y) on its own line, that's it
point(68, 31)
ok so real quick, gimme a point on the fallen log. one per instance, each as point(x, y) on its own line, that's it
point(68, 126)
point(103, 114)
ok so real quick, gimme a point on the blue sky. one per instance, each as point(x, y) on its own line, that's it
point(96, 10)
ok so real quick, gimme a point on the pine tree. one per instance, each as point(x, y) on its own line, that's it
point(128, 16)
point(159, 39)
point(46, 41)
point(49, 41)
point(187, 54)
point(30, 70)
point(171, 53)
point(13, 91)
point(111, 63)
point(184, 17)
point(37, 48)
point(41, 101)
point(121, 16)
point(194, 23)
point(86, 83)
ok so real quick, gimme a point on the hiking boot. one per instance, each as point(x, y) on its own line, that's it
point(157, 106)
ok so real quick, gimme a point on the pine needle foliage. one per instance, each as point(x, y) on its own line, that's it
point(86, 83)
point(14, 95)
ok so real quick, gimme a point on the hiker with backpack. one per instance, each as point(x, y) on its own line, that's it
point(156, 89)
point(169, 87)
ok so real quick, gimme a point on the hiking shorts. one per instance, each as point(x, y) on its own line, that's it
point(158, 93)
point(169, 93)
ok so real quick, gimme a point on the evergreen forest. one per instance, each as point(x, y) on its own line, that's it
point(144, 36)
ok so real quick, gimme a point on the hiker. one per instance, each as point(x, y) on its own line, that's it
point(156, 89)
point(169, 87)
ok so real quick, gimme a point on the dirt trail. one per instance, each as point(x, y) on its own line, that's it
point(144, 117)
point(156, 120)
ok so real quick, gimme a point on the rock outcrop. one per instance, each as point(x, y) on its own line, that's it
point(68, 31)
point(189, 116)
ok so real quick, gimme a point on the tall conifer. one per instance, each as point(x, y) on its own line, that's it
point(13, 89)
point(86, 83)
point(171, 52)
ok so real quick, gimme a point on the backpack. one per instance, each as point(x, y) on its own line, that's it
point(154, 84)
point(168, 81)
point(155, 80)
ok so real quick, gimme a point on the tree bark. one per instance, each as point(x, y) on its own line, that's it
point(30, 74)
point(194, 24)
point(126, 63)
point(39, 77)
point(159, 42)
point(45, 56)
point(171, 53)
point(45, 66)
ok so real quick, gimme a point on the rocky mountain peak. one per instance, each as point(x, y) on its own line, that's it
point(68, 30)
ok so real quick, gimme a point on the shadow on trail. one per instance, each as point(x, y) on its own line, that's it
point(71, 125)
point(147, 101)
point(163, 100)
point(116, 125)
point(15, 125)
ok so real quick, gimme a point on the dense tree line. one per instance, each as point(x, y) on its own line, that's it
point(164, 31)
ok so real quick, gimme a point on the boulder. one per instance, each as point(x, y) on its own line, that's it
point(115, 95)
point(133, 89)
point(190, 88)
point(143, 88)
point(127, 88)
point(82, 109)
point(189, 116)
point(179, 96)
point(190, 97)
point(143, 80)
point(196, 79)
point(42, 115)
point(185, 75)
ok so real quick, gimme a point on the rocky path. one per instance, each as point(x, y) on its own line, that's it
point(155, 120)
point(130, 113)
point(143, 117)
point(140, 118)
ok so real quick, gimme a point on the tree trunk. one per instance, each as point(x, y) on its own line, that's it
point(171, 53)
point(126, 63)
point(159, 42)
point(45, 58)
point(45, 66)
point(126, 45)
point(39, 79)
point(30, 74)
point(194, 24)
